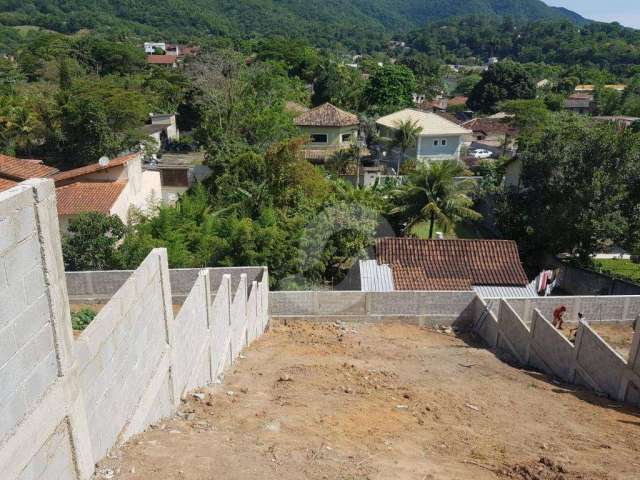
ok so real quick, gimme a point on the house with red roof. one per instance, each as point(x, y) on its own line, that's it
point(491, 268)
point(110, 186)
point(15, 170)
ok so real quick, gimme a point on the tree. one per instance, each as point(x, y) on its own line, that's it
point(467, 84)
point(390, 87)
point(91, 242)
point(502, 81)
point(340, 85)
point(405, 136)
point(434, 194)
point(579, 188)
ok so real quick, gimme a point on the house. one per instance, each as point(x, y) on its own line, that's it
point(111, 187)
point(439, 139)
point(152, 47)
point(178, 173)
point(621, 120)
point(169, 61)
point(581, 103)
point(618, 87)
point(329, 129)
point(491, 268)
point(15, 170)
point(491, 132)
point(163, 128)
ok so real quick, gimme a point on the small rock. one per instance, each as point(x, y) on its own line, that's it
point(402, 407)
point(244, 390)
point(199, 396)
point(175, 431)
point(230, 393)
point(285, 378)
point(472, 407)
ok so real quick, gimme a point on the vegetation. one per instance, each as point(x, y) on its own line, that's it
point(580, 188)
point(405, 136)
point(359, 24)
point(619, 268)
point(81, 319)
point(433, 194)
point(501, 82)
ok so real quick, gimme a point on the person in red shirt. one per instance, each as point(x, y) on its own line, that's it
point(558, 313)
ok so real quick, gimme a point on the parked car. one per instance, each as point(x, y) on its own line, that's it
point(481, 153)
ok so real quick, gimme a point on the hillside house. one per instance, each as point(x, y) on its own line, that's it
point(491, 268)
point(15, 170)
point(111, 187)
point(439, 139)
point(580, 103)
point(168, 61)
point(329, 129)
point(163, 129)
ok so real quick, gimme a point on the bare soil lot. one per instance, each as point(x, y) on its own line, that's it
point(355, 402)
point(618, 335)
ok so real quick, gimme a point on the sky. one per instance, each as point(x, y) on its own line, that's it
point(627, 12)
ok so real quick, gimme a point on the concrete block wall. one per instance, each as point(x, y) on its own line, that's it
point(590, 362)
point(64, 403)
point(121, 352)
point(192, 342)
point(423, 307)
point(594, 308)
point(100, 286)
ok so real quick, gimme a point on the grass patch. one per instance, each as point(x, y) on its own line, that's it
point(619, 268)
point(461, 230)
point(82, 318)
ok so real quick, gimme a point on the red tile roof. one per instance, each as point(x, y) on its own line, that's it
point(450, 264)
point(162, 59)
point(21, 169)
point(6, 184)
point(326, 115)
point(88, 197)
point(492, 126)
point(456, 101)
point(94, 167)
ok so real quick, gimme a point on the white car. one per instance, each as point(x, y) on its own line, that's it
point(481, 153)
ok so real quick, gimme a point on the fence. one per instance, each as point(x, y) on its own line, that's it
point(64, 403)
point(589, 362)
point(425, 308)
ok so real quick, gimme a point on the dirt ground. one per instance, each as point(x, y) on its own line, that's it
point(372, 402)
point(618, 335)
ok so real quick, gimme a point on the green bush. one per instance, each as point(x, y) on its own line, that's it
point(82, 318)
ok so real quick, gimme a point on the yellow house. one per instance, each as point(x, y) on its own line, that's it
point(329, 129)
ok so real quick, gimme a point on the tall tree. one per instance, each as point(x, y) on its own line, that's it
point(502, 81)
point(405, 136)
point(91, 242)
point(390, 87)
point(434, 193)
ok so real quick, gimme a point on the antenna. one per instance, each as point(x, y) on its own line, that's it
point(103, 161)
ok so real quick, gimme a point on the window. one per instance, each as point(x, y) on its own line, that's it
point(443, 142)
point(435, 143)
point(346, 137)
point(319, 138)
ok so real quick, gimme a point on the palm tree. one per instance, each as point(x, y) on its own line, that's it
point(435, 193)
point(343, 161)
point(405, 136)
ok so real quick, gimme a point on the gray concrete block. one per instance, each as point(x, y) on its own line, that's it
point(12, 408)
point(603, 364)
point(292, 303)
point(341, 303)
point(13, 303)
point(23, 257)
point(29, 323)
point(553, 348)
point(514, 331)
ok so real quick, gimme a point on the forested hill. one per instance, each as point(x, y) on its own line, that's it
point(355, 23)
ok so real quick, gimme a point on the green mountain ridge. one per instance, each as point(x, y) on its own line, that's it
point(323, 22)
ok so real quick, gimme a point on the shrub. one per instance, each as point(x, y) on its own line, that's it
point(82, 318)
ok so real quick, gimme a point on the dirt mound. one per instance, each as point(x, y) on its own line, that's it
point(545, 469)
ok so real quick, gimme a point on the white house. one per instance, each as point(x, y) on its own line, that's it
point(151, 47)
point(439, 139)
point(111, 187)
